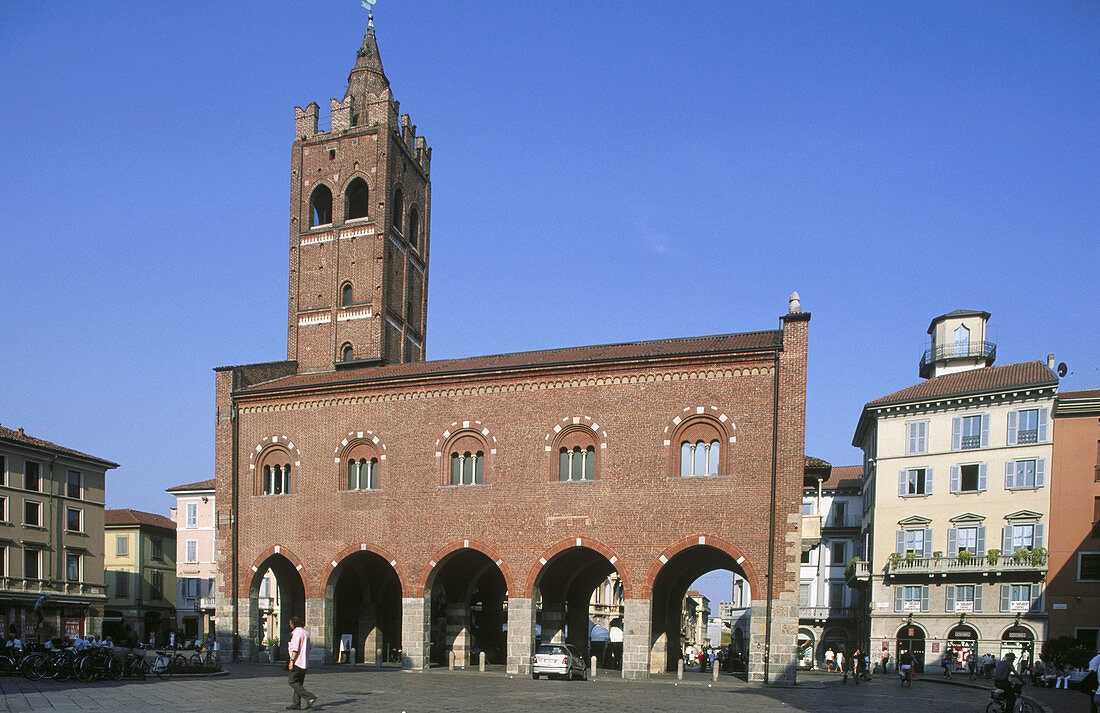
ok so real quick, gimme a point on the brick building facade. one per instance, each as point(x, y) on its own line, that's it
point(433, 507)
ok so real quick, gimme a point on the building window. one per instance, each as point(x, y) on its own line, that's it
point(916, 437)
point(31, 561)
point(191, 548)
point(963, 598)
point(971, 478)
point(1027, 426)
point(32, 513)
point(700, 457)
point(962, 341)
point(1088, 566)
point(31, 477)
point(156, 584)
point(74, 519)
point(347, 297)
point(122, 546)
point(122, 584)
point(414, 228)
point(467, 468)
point(320, 206)
point(398, 209)
point(914, 482)
point(1020, 597)
point(192, 510)
point(700, 438)
point(347, 353)
point(577, 464)
point(808, 507)
point(840, 550)
point(3, 561)
point(157, 547)
point(4, 466)
point(804, 593)
point(836, 594)
point(966, 539)
point(916, 542)
point(808, 556)
point(911, 598)
point(74, 484)
point(191, 587)
point(969, 432)
point(357, 199)
point(275, 472)
point(72, 567)
point(3, 508)
point(362, 474)
point(1025, 474)
point(1027, 537)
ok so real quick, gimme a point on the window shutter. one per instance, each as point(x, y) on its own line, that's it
point(1040, 472)
point(1037, 538)
point(911, 438)
point(927, 481)
point(985, 430)
point(1010, 474)
point(922, 438)
point(1042, 425)
point(927, 543)
point(1036, 597)
point(978, 597)
point(983, 477)
point(924, 597)
point(902, 478)
point(954, 479)
point(980, 544)
point(950, 598)
point(899, 596)
point(952, 546)
point(956, 433)
point(901, 542)
point(1006, 595)
point(1012, 428)
point(1006, 540)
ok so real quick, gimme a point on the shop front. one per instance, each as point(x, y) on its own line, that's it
point(1020, 640)
point(911, 639)
point(962, 641)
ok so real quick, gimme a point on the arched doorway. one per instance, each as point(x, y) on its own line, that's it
point(805, 649)
point(670, 586)
point(365, 592)
point(836, 639)
point(962, 640)
point(1020, 640)
point(578, 597)
point(911, 638)
point(275, 594)
point(469, 596)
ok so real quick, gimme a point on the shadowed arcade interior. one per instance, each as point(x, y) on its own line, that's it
point(468, 610)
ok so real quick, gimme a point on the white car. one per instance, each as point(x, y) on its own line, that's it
point(558, 660)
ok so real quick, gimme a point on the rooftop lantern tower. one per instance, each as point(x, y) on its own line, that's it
point(958, 344)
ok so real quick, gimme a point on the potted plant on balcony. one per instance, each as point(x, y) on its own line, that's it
point(894, 559)
point(964, 556)
point(937, 556)
point(1022, 554)
point(850, 570)
point(1039, 556)
point(910, 557)
point(992, 556)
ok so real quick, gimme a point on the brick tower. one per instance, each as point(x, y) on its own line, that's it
point(360, 216)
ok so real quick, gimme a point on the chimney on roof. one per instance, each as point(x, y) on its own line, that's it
point(795, 303)
point(1050, 362)
point(20, 430)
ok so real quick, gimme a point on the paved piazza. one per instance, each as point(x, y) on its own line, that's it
point(251, 688)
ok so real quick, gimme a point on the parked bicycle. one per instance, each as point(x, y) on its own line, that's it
point(997, 701)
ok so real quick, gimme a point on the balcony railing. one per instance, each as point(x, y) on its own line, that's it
point(848, 521)
point(825, 613)
point(51, 586)
point(962, 565)
point(953, 350)
point(857, 571)
point(206, 602)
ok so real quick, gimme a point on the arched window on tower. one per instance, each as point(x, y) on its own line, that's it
point(398, 209)
point(414, 228)
point(576, 448)
point(700, 442)
point(346, 296)
point(359, 465)
point(320, 206)
point(275, 472)
point(357, 199)
point(467, 459)
point(362, 474)
point(347, 353)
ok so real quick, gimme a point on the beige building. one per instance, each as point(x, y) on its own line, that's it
point(196, 550)
point(140, 572)
point(957, 501)
point(51, 537)
point(695, 615)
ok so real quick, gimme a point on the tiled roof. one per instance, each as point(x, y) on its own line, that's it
point(199, 485)
point(958, 313)
point(1083, 394)
point(7, 434)
point(994, 378)
point(845, 473)
point(626, 351)
point(816, 463)
point(136, 517)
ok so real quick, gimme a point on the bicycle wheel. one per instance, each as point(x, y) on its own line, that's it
point(1025, 707)
point(995, 707)
point(213, 662)
point(162, 667)
point(62, 670)
point(113, 669)
point(7, 666)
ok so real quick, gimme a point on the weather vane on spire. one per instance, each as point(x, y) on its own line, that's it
point(369, 4)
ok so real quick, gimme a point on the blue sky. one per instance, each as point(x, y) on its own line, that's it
point(602, 172)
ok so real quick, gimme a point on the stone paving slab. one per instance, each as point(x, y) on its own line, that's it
point(255, 688)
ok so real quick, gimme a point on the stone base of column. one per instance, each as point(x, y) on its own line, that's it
point(246, 627)
point(637, 623)
point(415, 633)
point(781, 666)
point(521, 636)
point(320, 648)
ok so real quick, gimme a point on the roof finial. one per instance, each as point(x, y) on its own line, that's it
point(369, 4)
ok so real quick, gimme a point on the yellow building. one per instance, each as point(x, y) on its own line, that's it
point(140, 571)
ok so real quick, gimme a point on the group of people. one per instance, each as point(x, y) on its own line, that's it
point(857, 665)
point(723, 658)
point(14, 644)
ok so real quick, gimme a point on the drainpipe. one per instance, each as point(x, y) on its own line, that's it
point(233, 517)
point(771, 520)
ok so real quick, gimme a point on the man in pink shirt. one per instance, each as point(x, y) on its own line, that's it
point(299, 657)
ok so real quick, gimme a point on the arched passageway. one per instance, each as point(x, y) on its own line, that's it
point(365, 592)
point(578, 599)
point(667, 634)
point(468, 596)
point(276, 593)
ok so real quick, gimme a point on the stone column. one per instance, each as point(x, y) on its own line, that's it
point(416, 623)
point(782, 663)
point(318, 611)
point(247, 626)
point(658, 653)
point(458, 632)
point(521, 635)
point(637, 621)
point(577, 624)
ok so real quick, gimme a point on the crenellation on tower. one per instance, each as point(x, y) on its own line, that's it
point(360, 207)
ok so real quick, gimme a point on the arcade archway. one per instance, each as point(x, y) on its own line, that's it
point(365, 592)
point(578, 600)
point(276, 593)
point(468, 597)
